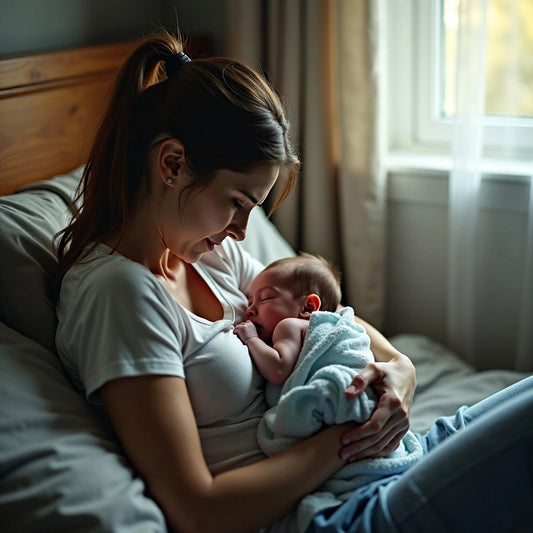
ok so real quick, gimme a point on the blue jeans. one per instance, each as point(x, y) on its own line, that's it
point(476, 476)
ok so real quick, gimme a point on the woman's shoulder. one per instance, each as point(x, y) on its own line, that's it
point(104, 263)
point(108, 274)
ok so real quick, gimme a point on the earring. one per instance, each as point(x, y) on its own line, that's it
point(170, 181)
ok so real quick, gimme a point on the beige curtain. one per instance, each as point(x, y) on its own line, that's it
point(325, 58)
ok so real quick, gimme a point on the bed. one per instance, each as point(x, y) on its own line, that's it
point(61, 469)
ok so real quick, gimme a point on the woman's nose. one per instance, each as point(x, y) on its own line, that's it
point(236, 233)
point(237, 228)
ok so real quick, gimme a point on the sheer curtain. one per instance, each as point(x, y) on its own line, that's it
point(465, 189)
point(326, 59)
point(524, 352)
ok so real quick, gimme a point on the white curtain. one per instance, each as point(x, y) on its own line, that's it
point(524, 352)
point(465, 318)
point(326, 58)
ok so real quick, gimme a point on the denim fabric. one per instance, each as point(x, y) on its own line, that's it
point(476, 476)
point(365, 511)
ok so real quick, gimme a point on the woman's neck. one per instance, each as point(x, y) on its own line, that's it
point(142, 242)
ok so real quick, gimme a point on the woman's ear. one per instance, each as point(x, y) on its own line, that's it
point(170, 159)
point(311, 303)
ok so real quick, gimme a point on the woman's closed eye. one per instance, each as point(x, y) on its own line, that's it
point(238, 204)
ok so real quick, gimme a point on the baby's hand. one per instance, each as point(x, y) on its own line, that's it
point(245, 331)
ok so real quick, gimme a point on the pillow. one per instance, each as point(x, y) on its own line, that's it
point(62, 469)
point(445, 382)
point(263, 240)
point(29, 221)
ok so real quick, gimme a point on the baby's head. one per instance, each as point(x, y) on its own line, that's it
point(292, 288)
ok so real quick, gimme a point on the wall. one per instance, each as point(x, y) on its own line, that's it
point(417, 259)
point(201, 17)
point(28, 25)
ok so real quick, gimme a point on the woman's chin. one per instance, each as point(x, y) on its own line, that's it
point(191, 257)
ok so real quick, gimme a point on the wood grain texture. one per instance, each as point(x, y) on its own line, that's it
point(51, 105)
point(66, 64)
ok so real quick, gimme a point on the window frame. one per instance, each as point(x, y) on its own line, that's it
point(414, 62)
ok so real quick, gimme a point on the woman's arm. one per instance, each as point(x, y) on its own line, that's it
point(393, 377)
point(155, 423)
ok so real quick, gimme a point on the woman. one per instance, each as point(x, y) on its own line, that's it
point(152, 285)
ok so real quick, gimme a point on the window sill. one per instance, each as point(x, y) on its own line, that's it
point(423, 179)
point(433, 163)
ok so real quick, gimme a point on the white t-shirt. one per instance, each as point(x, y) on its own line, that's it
point(116, 319)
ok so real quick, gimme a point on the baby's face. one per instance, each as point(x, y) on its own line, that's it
point(269, 302)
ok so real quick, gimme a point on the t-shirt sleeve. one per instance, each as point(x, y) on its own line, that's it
point(121, 322)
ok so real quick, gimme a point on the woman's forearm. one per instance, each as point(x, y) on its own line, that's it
point(257, 495)
point(163, 443)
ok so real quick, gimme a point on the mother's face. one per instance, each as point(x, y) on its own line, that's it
point(201, 219)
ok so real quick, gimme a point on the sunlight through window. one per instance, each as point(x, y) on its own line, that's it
point(509, 57)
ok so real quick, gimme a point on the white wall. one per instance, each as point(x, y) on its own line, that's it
point(417, 259)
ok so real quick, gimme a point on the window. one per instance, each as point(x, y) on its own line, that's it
point(422, 68)
point(509, 77)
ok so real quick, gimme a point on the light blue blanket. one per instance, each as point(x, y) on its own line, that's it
point(335, 349)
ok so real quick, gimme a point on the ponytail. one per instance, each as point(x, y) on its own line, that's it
point(105, 191)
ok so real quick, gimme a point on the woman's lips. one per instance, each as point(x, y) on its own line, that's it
point(211, 244)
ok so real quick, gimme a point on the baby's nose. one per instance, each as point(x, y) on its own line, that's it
point(250, 311)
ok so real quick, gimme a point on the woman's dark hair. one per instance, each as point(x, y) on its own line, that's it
point(225, 114)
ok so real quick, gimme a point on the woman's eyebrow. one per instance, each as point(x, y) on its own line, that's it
point(250, 197)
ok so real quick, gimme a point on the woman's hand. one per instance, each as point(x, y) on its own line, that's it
point(395, 382)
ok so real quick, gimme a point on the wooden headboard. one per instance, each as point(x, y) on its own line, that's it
point(51, 105)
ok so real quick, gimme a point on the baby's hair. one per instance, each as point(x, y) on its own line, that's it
point(311, 274)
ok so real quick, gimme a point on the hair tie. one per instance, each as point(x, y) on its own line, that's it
point(173, 63)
